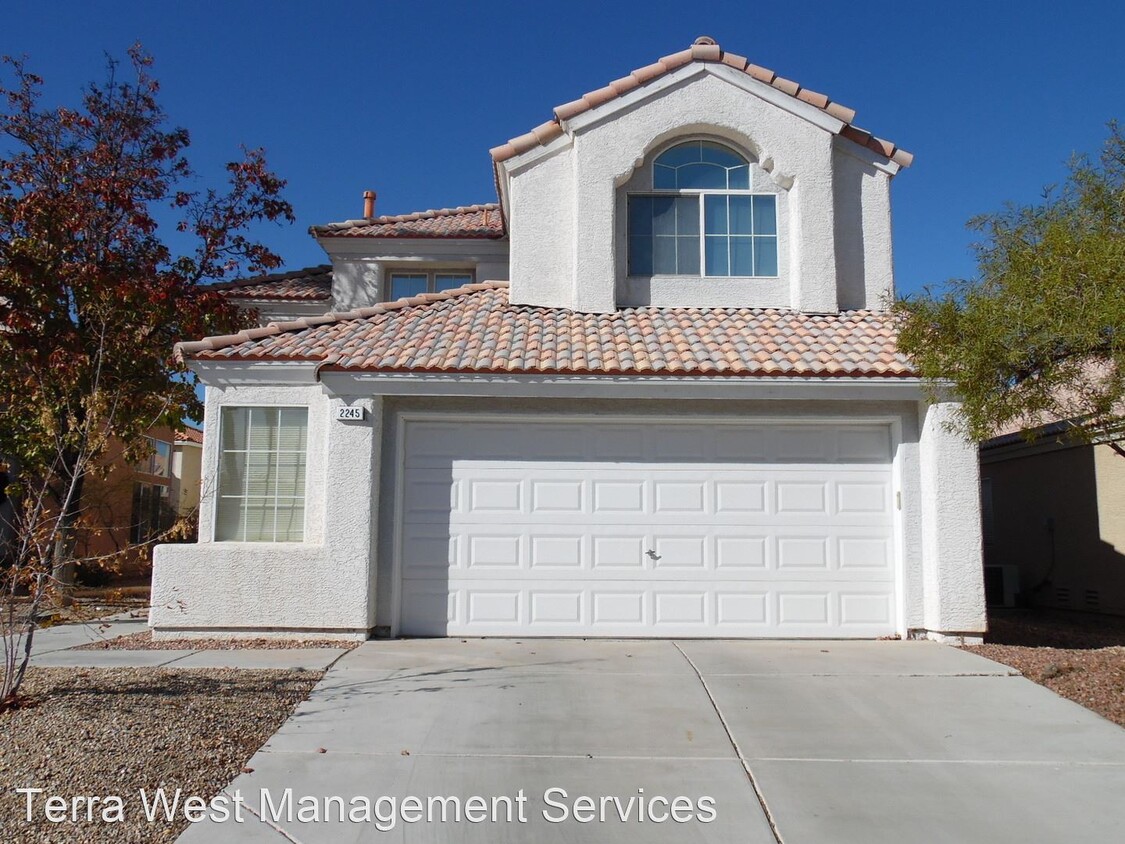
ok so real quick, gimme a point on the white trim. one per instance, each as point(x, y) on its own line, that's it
point(643, 93)
point(216, 497)
point(403, 418)
point(396, 530)
point(899, 527)
point(410, 248)
point(622, 386)
point(222, 373)
point(429, 273)
point(651, 90)
point(850, 148)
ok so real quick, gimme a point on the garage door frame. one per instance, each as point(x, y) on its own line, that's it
point(405, 418)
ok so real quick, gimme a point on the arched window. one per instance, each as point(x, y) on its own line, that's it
point(702, 214)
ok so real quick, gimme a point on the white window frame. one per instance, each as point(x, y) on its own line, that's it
point(431, 274)
point(650, 167)
point(218, 497)
point(702, 235)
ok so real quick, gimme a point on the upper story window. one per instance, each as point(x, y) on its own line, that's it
point(159, 459)
point(702, 218)
point(404, 284)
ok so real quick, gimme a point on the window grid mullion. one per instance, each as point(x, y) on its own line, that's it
point(244, 505)
point(276, 478)
point(702, 236)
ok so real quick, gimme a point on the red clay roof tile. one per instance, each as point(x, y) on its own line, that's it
point(703, 50)
point(476, 330)
point(190, 435)
point(308, 284)
point(468, 221)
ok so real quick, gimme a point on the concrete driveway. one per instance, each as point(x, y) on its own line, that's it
point(798, 742)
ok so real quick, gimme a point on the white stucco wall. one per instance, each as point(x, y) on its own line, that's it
point(542, 222)
point(361, 267)
point(340, 580)
point(863, 230)
point(952, 565)
point(320, 586)
point(565, 198)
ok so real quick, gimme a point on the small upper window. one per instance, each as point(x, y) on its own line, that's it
point(159, 459)
point(702, 214)
point(403, 285)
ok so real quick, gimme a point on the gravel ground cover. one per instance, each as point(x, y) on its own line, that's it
point(116, 731)
point(1081, 657)
point(143, 641)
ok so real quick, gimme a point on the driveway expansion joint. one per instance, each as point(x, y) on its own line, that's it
point(282, 832)
point(737, 750)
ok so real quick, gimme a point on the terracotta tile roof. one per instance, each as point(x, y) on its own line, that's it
point(475, 330)
point(467, 221)
point(190, 435)
point(703, 50)
point(308, 284)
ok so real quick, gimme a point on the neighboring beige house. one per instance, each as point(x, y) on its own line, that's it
point(654, 390)
point(187, 464)
point(1054, 521)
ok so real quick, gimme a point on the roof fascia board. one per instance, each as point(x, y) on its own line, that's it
point(400, 248)
point(657, 87)
point(689, 72)
point(304, 307)
point(517, 164)
point(602, 386)
point(869, 157)
point(215, 373)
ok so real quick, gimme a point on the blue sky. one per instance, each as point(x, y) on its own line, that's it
point(407, 98)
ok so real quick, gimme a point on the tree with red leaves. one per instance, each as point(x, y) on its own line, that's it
point(93, 295)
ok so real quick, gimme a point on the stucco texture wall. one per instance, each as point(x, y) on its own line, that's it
point(1059, 516)
point(320, 586)
point(953, 584)
point(565, 203)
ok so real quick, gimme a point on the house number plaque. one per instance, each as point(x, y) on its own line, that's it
point(350, 414)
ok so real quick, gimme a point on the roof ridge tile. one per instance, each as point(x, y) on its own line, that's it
point(704, 49)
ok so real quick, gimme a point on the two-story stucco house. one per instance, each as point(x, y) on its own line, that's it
point(653, 391)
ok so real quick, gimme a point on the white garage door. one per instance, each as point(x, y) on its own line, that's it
point(646, 529)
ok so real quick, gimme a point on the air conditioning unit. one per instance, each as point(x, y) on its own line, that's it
point(1001, 583)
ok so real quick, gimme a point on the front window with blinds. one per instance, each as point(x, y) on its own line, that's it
point(262, 475)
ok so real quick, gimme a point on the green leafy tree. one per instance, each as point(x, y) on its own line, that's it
point(1039, 335)
point(93, 295)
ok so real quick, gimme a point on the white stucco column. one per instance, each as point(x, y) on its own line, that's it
point(595, 281)
point(812, 232)
point(352, 495)
point(952, 567)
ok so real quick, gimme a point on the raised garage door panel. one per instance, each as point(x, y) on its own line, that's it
point(634, 529)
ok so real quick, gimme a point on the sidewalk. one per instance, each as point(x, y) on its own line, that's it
point(53, 647)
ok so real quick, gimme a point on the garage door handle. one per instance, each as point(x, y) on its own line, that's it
point(652, 555)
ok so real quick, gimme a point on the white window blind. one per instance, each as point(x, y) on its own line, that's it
point(262, 474)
